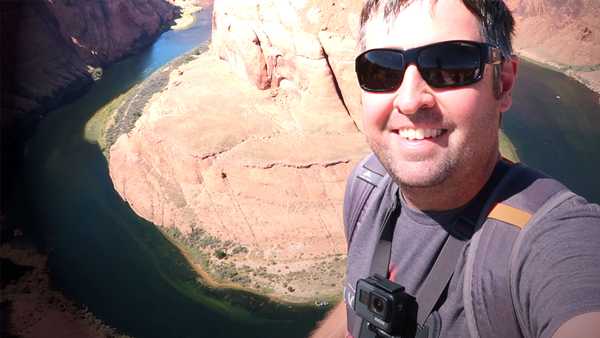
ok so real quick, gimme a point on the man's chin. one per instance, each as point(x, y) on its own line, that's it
point(419, 182)
point(419, 176)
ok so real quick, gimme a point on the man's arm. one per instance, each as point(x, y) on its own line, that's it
point(558, 282)
point(583, 326)
point(334, 324)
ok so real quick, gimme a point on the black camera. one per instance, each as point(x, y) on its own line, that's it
point(385, 306)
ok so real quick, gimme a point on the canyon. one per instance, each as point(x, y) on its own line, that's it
point(240, 155)
point(52, 51)
point(247, 146)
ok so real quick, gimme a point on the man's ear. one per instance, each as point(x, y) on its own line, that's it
point(508, 76)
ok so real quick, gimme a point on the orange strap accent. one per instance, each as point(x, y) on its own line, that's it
point(511, 215)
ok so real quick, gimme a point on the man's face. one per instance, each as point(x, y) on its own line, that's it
point(460, 124)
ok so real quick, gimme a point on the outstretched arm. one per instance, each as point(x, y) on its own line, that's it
point(334, 324)
point(582, 326)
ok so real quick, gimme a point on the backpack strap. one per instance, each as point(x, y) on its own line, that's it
point(473, 245)
point(522, 197)
point(550, 204)
point(365, 177)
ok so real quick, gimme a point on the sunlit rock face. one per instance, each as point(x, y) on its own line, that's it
point(252, 142)
point(303, 49)
point(53, 48)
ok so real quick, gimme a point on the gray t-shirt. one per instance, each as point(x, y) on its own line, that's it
point(559, 264)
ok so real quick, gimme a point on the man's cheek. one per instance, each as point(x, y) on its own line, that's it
point(374, 117)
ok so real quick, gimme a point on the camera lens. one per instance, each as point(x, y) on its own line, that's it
point(377, 304)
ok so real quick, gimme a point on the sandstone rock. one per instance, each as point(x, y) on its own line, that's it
point(32, 307)
point(263, 172)
point(542, 25)
point(286, 47)
point(341, 51)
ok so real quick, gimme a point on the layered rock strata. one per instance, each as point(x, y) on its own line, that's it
point(256, 182)
point(256, 168)
point(50, 50)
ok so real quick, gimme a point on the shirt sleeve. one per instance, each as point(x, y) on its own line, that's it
point(559, 267)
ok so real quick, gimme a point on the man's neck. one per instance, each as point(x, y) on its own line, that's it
point(453, 193)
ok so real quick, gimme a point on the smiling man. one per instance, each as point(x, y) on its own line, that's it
point(463, 242)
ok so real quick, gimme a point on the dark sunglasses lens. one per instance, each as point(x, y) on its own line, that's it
point(453, 64)
point(380, 70)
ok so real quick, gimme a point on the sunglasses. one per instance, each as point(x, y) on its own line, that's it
point(443, 64)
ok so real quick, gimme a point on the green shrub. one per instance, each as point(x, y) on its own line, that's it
point(220, 254)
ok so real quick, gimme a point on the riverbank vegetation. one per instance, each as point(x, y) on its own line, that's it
point(187, 18)
point(119, 116)
point(215, 261)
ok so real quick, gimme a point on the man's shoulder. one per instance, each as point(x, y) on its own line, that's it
point(555, 271)
point(535, 187)
point(575, 212)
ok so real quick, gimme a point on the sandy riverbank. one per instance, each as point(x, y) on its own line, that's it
point(187, 14)
point(590, 77)
point(209, 279)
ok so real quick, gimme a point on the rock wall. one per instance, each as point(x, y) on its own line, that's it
point(247, 157)
point(304, 49)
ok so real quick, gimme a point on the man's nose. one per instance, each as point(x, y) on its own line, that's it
point(414, 93)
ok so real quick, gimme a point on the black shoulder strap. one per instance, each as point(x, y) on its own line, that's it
point(526, 187)
point(443, 269)
point(364, 179)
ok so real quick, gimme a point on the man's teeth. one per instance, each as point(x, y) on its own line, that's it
point(419, 134)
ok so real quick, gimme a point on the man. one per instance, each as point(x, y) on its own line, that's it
point(432, 117)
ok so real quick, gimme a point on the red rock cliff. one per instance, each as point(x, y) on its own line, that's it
point(254, 177)
point(49, 47)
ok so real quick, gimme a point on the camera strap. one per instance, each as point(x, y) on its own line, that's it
point(439, 277)
point(436, 280)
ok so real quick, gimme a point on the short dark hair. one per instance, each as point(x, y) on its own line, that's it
point(496, 20)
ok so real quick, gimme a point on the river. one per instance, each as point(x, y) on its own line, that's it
point(555, 125)
point(104, 256)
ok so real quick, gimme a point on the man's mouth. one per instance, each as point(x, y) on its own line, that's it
point(420, 134)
